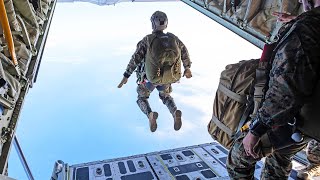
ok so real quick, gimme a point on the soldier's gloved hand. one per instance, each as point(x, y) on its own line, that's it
point(187, 73)
point(123, 81)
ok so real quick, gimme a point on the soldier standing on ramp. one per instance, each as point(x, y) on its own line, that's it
point(294, 77)
point(313, 147)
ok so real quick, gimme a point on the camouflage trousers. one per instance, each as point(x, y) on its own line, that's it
point(277, 164)
point(144, 90)
point(313, 152)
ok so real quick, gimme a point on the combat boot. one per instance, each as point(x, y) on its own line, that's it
point(309, 172)
point(177, 120)
point(153, 121)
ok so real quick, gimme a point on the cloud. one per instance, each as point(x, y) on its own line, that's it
point(66, 60)
point(124, 50)
point(165, 131)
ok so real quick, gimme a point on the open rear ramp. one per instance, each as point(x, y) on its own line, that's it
point(250, 19)
point(199, 162)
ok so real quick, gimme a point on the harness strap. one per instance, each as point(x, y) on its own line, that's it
point(243, 120)
point(259, 89)
point(232, 95)
point(222, 126)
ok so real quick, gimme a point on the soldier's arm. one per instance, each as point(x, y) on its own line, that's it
point(137, 57)
point(292, 79)
point(184, 55)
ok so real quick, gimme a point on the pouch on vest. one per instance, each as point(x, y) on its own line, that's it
point(163, 59)
point(233, 101)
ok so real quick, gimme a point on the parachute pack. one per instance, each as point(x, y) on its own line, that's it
point(163, 59)
point(233, 102)
point(240, 94)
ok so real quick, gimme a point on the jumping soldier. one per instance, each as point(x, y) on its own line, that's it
point(157, 61)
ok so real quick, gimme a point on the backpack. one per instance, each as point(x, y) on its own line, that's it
point(241, 92)
point(163, 59)
point(233, 101)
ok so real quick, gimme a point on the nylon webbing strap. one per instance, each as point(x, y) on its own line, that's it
point(243, 119)
point(259, 89)
point(222, 126)
point(232, 95)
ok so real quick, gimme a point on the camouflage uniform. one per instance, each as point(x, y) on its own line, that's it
point(313, 152)
point(277, 164)
point(313, 156)
point(293, 76)
point(144, 89)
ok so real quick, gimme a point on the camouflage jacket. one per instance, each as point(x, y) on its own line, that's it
point(141, 52)
point(294, 73)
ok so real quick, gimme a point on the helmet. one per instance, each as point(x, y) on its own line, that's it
point(159, 21)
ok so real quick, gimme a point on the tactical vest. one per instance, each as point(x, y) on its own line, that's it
point(163, 59)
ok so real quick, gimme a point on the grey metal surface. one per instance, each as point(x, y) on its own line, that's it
point(5, 178)
point(13, 110)
point(205, 161)
point(11, 129)
point(131, 168)
point(22, 158)
point(34, 65)
point(111, 2)
point(252, 38)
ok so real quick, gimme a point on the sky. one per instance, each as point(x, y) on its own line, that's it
point(76, 113)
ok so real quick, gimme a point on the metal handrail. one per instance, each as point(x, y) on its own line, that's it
point(22, 158)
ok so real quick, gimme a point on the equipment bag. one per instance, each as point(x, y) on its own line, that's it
point(163, 59)
point(240, 94)
point(233, 101)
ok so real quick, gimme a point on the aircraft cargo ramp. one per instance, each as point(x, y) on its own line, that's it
point(200, 162)
point(252, 20)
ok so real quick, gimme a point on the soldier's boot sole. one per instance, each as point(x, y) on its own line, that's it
point(153, 121)
point(177, 120)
